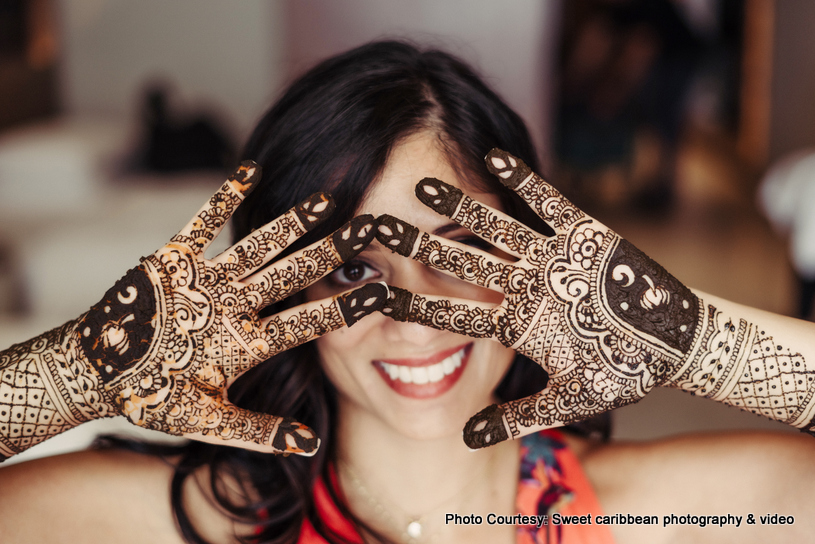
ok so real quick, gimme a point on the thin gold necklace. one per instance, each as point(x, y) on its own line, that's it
point(413, 529)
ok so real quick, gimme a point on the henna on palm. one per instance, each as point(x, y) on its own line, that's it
point(607, 322)
point(167, 339)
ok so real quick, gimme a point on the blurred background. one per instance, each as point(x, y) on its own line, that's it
point(660, 117)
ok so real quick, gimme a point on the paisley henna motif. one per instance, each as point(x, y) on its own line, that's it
point(167, 339)
point(607, 322)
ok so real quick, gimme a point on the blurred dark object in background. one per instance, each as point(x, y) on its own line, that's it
point(632, 72)
point(173, 141)
point(28, 61)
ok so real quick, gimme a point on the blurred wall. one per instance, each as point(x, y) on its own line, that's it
point(215, 52)
point(511, 43)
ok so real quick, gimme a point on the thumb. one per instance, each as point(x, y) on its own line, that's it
point(229, 425)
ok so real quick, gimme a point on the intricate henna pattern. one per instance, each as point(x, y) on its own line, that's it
point(741, 365)
point(169, 337)
point(607, 322)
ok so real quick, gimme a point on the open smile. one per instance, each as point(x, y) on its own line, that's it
point(427, 377)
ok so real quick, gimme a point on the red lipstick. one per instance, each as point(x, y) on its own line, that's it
point(426, 377)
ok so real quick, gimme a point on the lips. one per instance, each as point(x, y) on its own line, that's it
point(427, 377)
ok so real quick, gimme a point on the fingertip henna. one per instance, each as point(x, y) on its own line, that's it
point(243, 179)
point(439, 196)
point(312, 211)
point(294, 437)
point(486, 428)
point(510, 170)
point(354, 236)
point(397, 306)
point(396, 235)
point(360, 302)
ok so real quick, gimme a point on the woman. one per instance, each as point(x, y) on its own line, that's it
point(389, 396)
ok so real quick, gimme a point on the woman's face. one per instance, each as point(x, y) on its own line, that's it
point(420, 382)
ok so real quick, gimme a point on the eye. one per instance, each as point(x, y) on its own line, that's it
point(476, 242)
point(352, 272)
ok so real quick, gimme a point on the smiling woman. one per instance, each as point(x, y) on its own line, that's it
point(488, 287)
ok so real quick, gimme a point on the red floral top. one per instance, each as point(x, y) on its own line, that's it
point(551, 481)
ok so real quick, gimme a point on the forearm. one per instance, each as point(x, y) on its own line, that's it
point(46, 389)
point(754, 360)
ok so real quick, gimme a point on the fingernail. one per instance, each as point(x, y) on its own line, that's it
point(511, 171)
point(360, 302)
point(486, 428)
point(243, 179)
point(396, 235)
point(314, 209)
point(354, 236)
point(397, 306)
point(439, 196)
point(294, 437)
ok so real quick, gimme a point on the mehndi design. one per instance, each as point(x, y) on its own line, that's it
point(167, 339)
point(607, 322)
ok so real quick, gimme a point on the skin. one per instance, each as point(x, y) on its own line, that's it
point(381, 429)
point(409, 452)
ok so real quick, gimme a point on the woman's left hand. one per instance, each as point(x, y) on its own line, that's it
point(607, 322)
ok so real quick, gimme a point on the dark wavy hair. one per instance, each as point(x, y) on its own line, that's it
point(333, 130)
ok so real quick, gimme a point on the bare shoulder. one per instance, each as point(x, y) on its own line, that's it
point(709, 474)
point(93, 496)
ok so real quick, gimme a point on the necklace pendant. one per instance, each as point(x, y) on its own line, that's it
point(414, 530)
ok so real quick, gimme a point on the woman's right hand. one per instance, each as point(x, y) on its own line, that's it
point(168, 338)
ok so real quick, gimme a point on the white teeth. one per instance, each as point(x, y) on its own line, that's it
point(392, 370)
point(435, 373)
point(424, 374)
point(404, 374)
point(419, 374)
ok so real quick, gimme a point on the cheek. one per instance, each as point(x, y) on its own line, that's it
point(501, 358)
point(340, 350)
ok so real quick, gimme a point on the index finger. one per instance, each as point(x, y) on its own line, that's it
point(497, 228)
point(545, 200)
point(210, 220)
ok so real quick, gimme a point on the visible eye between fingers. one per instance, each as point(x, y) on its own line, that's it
point(353, 273)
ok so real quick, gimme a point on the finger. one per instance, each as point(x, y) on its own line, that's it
point(464, 262)
point(306, 322)
point(499, 229)
point(298, 271)
point(210, 220)
point(545, 200)
point(265, 243)
point(455, 315)
point(228, 425)
point(497, 423)
point(583, 392)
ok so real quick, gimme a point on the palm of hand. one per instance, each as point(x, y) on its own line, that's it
point(603, 319)
point(172, 334)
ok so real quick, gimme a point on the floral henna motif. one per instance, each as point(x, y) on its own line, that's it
point(169, 337)
point(606, 322)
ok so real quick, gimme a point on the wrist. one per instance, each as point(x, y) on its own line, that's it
point(75, 378)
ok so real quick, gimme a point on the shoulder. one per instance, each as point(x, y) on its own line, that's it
point(707, 474)
point(737, 461)
point(93, 496)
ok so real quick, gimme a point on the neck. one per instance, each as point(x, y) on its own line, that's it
point(413, 478)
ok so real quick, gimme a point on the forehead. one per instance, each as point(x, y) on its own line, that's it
point(417, 157)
